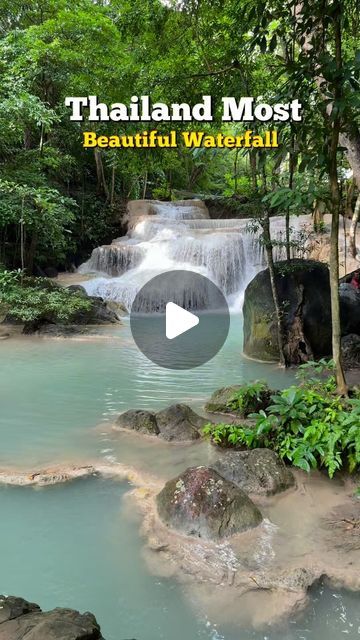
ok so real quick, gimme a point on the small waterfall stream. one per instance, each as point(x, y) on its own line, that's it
point(163, 236)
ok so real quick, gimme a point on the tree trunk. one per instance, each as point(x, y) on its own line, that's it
point(291, 185)
point(101, 181)
point(335, 205)
point(253, 168)
point(275, 294)
point(112, 190)
point(353, 226)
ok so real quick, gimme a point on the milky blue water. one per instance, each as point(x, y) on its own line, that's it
point(75, 545)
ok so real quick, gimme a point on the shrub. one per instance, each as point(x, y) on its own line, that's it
point(229, 435)
point(31, 299)
point(250, 398)
point(307, 425)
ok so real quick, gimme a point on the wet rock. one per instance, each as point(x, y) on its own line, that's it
point(179, 422)
point(220, 401)
point(201, 503)
point(60, 330)
point(304, 290)
point(118, 308)
point(78, 288)
point(99, 313)
point(21, 619)
point(350, 348)
point(297, 579)
point(258, 472)
point(46, 477)
point(138, 420)
point(349, 309)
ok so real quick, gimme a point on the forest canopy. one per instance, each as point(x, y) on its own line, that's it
point(59, 200)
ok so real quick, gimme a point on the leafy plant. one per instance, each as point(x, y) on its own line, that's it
point(229, 435)
point(307, 425)
point(250, 397)
point(31, 299)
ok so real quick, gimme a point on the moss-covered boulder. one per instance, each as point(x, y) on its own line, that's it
point(240, 399)
point(220, 400)
point(138, 420)
point(201, 503)
point(179, 422)
point(304, 292)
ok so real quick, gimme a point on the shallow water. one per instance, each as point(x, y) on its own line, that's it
point(55, 392)
point(75, 545)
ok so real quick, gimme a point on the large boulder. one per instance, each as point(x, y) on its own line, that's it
point(138, 420)
point(179, 422)
point(201, 503)
point(304, 293)
point(21, 619)
point(349, 309)
point(258, 472)
point(350, 348)
point(99, 313)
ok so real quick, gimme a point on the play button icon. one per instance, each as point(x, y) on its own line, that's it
point(179, 319)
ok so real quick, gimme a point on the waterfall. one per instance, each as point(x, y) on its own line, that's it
point(163, 236)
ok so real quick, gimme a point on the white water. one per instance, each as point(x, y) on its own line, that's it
point(168, 236)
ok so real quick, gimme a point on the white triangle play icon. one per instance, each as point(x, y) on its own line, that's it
point(178, 320)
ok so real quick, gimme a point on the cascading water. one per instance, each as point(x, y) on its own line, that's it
point(163, 236)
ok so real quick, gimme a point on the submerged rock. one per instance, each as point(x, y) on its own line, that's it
point(259, 472)
point(179, 422)
point(21, 619)
point(200, 502)
point(304, 292)
point(60, 330)
point(138, 420)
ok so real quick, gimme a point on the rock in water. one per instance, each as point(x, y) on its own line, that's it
point(199, 502)
point(21, 619)
point(220, 401)
point(304, 292)
point(259, 472)
point(179, 422)
point(138, 420)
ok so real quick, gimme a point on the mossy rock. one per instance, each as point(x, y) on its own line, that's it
point(201, 503)
point(304, 293)
point(220, 399)
point(138, 420)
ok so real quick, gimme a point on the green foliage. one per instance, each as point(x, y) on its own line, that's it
point(229, 435)
point(31, 299)
point(307, 425)
point(250, 398)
